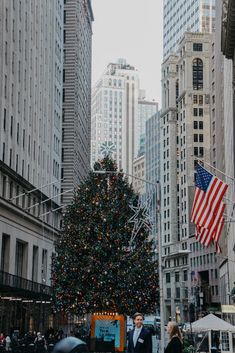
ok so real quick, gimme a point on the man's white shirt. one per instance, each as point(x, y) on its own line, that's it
point(136, 335)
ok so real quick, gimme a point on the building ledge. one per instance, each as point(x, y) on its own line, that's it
point(18, 285)
point(18, 211)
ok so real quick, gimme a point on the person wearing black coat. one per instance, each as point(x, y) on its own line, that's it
point(139, 339)
point(175, 343)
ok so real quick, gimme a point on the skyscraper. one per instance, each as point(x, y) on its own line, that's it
point(180, 16)
point(78, 19)
point(115, 115)
point(31, 62)
point(185, 136)
point(146, 109)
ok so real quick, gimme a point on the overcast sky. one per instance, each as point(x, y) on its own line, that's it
point(130, 29)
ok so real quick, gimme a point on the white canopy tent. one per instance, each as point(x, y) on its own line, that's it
point(211, 323)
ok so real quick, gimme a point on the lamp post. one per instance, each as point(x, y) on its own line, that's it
point(158, 211)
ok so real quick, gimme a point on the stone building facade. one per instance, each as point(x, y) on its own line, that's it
point(31, 67)
point(185, 138)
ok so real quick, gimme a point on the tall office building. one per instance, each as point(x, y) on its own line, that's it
point(146, 109)
point(31, 41)
point(78, 19)
point(180, 16)
point(115, 115)
point(152, 149)
point(185, 133)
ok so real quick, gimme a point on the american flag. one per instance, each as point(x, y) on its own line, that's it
point(208, 208)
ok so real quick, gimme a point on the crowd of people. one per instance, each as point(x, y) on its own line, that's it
point(31, 342)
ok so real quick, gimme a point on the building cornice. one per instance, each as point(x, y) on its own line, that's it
point(20, 212)
point(25, 184)
point(166, 111)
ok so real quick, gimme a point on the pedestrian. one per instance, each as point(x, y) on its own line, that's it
point(139, 339)
point(2, 339)
point(175, 344)
point(40, 343)
point(8, 343)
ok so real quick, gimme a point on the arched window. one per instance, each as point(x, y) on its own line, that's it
point(197, 74)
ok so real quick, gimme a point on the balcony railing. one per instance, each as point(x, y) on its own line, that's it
point(22, 284)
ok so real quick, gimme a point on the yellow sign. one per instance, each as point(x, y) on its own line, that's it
point(228, 309)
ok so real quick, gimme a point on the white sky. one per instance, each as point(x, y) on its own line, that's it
point(130, 29)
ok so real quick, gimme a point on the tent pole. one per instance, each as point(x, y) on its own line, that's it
point(209, 340)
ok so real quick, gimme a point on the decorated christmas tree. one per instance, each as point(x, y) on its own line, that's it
point(104, 260)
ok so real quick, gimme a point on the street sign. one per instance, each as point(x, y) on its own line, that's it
point(228, 309)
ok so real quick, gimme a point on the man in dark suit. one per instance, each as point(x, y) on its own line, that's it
point(139, 339)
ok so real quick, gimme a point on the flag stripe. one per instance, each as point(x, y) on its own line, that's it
point(197, 200)
point(219, 231)
point(200, 207)
point(206, 235)
point(208, 219)
point(216, 224)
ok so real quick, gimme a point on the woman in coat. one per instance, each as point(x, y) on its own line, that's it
point(175, 338)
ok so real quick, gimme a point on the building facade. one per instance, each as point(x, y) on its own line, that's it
point(115, 115)
point(146, 109)
point(78, 19)
point(180, 16)
point(185, 138)
point(227, 271)
point(139, 173)
point(31, 62)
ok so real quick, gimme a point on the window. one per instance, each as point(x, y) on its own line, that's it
point(44, 265)
point(197, 46)
point(5, 253)
point(225, 341)
point(185, 275)
point(177, 277)
point(200, 100)
point(194, 99)
point(21, 259)
point(195, 151)
point(195, 112)
point(200, 125)
point(195, 138)
point(168, 278)
point(201, 151)
point(201, 138)
point(200, 112)
point(4, 119)
point(177, 292)
point(3, 151)
point(35, 263)
point(195, 124)
point(168, 293)
point(197, 74)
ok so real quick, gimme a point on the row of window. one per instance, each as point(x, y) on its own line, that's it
point(205, 259)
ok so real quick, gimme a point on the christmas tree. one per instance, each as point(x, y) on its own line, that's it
point(97, 267)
